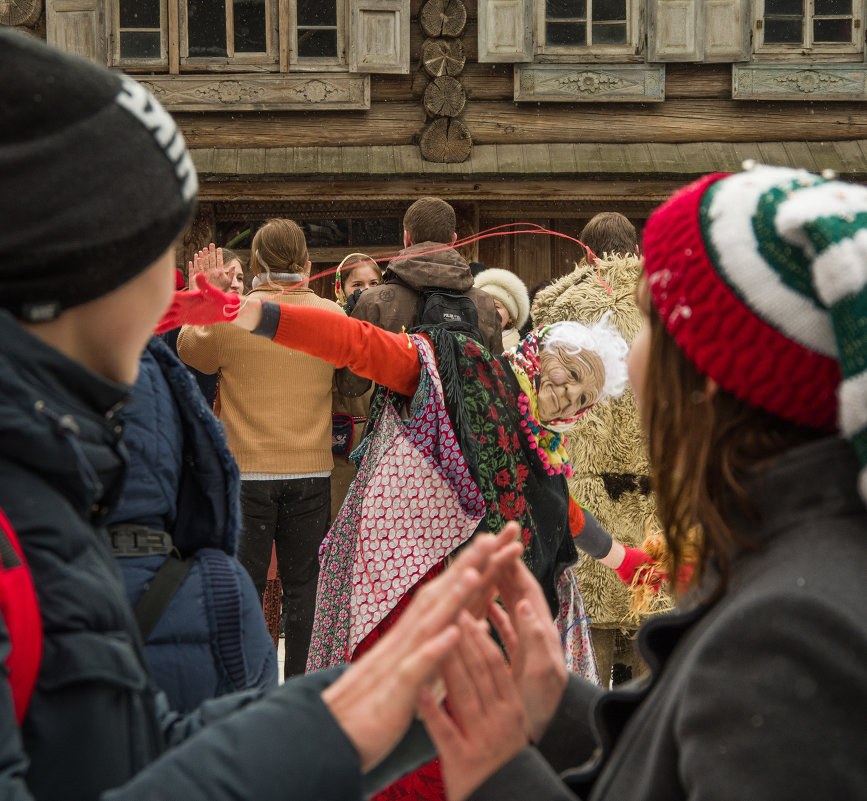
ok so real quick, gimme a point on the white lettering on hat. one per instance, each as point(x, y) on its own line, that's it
point(147, 110)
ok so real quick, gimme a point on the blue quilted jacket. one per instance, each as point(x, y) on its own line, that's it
point(182, 479)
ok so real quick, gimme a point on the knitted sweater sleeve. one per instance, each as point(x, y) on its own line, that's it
point(389, 359)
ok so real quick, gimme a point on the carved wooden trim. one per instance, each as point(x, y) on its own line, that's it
point(791, 83)
point(294, 92)
point(589, 83)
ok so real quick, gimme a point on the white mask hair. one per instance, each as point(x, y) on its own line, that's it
point(603, 339)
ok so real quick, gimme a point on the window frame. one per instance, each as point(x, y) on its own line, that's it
point(338, 63)
point(174, 47)
point(631, 50)
point(267, 60)
point(831, 52)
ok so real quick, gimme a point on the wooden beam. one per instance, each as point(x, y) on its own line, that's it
point(674, 121)
point(651, 191)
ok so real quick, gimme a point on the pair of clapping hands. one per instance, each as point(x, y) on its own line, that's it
point(494, 709)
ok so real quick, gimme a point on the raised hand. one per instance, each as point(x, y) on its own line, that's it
point(205, 305)
point(375, 699)
point(209, 262)
point(487, 725)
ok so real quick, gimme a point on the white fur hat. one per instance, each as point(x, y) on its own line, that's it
point(507, 288)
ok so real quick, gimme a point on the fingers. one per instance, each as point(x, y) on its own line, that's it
point(445, 734)
point(423, 664)
point(517, 582)
point(503, 625)
point(484, 661)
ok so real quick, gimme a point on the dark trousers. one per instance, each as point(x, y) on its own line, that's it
point(293, 514)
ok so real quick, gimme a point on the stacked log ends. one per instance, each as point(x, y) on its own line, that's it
point(443, 18)
point(443, 57)
point(20, 12)
point(447, 141)
point(444, 97)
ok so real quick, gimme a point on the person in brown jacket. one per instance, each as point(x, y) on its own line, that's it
point(276, 408)
point(427, 261)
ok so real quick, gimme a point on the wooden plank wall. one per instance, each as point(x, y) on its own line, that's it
point(698, 108)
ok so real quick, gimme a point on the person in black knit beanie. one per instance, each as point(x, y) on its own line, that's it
point(95, 185)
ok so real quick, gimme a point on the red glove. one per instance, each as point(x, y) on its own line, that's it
point(637, 560)
point(206, 305)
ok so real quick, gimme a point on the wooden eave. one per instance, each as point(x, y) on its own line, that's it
point(561, 171)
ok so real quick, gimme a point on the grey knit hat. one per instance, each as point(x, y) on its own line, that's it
point(95, 179)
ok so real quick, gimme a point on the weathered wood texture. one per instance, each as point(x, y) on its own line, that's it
point(443, 57)
point(574, 161)
point(444, 97)
point(443, 18)
point(686, 120)
point(604, 192)
point(20, 12)
point(496, 82)
point(447, 141)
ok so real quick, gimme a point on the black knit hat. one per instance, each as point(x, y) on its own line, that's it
point(95, 179)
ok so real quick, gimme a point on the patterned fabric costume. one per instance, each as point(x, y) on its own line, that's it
point(458, 463)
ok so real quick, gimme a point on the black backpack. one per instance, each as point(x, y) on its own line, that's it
point(450, 309)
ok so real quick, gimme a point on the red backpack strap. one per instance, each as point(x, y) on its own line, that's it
point(20, 611)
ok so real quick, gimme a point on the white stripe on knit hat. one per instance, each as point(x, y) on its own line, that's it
point(735, 202)
point(853, 404)
point(841, 269)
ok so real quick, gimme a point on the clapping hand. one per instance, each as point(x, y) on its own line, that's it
point(375, 699)
point(487, 726)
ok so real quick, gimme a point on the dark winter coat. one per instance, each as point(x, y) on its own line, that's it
point(393, 305)
point(761, 695)
point(182, 479)
point(96, 720)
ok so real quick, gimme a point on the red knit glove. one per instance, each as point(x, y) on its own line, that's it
point(637, 560)
point(206, 305)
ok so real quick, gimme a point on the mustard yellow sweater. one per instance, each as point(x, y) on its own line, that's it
point(275, 403)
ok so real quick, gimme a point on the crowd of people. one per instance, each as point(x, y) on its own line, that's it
point(437, 615)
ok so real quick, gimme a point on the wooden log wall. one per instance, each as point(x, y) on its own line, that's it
point(698, 108)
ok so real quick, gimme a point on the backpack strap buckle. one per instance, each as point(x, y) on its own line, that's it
point(132, 540)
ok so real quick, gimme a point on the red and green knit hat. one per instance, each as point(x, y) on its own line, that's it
point(761, 278)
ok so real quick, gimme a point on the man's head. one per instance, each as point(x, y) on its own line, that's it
point(429, 219)
point(609, 232)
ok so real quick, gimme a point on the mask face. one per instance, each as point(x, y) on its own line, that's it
point(568, 382)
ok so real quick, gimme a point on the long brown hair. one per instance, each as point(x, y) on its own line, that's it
point(702, 446)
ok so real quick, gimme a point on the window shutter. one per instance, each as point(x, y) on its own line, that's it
point(698, 30)
point(726, 30)
point(77, 26)
point(672, 30)
point(505, 31)
point(379, 36)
